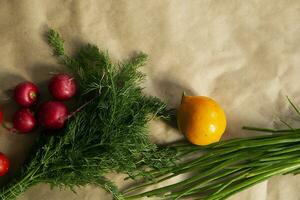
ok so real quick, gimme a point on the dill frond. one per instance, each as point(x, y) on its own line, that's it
point(109, 134)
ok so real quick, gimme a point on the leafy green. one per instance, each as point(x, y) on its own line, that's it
point(108, 133)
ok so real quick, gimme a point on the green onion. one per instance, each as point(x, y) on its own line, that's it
point(225, 168)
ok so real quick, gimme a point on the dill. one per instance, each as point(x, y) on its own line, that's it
point(110, 133)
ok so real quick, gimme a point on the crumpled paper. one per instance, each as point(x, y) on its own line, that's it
point(244, 54)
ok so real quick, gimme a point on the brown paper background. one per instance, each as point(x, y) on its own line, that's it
point(245, 54)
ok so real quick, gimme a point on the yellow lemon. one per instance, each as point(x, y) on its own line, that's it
point(201, 119)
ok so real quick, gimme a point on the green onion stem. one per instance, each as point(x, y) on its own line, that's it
point(254, 180)
point(269, 130)
point(231, 165)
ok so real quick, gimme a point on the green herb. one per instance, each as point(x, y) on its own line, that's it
point(108, 133)
point(226, 167)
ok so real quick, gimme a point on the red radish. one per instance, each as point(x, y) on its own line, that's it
point(24, 120)
point(26, 94)
point(53, 114)
point(4, 164)
point(1, 115)
point(62, 87)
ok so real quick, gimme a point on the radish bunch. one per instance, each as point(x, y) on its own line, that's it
point(51, 115)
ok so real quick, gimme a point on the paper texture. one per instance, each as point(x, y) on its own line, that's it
point(244, 54)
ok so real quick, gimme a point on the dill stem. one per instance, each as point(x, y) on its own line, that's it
point(80, 108)
point(17, 187)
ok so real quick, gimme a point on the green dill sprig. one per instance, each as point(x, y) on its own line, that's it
point(56, 42)
point(109, 133)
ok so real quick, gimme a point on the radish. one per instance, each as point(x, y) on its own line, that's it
point(62, 87)
point(24, 121)
point(4, 164)
point(26, 94)
point(52, 115)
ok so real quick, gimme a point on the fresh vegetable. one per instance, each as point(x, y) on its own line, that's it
point(62, 86)
point(201, 119)
point(26, 94)
point(224, 168)
point(1, 115)
point(24, 120)
point(52, 115)
point(108, 134)
point(4, 164)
